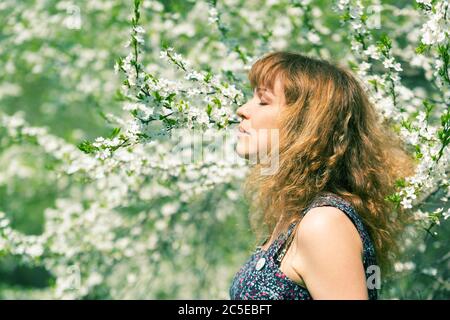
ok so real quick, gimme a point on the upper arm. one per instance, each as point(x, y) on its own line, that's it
point(330, 250)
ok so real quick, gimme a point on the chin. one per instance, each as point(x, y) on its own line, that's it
point(241, 152)
point(244, 151)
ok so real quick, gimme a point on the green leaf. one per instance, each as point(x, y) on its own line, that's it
point(400, 183)
point(345, 16)
point(209, 109)
point(384, 44)
point(157, 96)
point(114, 133)
point(406, 124)
point(87, 147)
point(169, 121)
point(445, 119)
point(394, 198)
point(164, 44)
point(217, 102)
point(208, 76)
point(421, 48)
point(119, 96)
point(353, 65)
point(170, 97)
point(373, 82)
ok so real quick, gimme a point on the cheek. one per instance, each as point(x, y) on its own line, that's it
point(264, 139)
point(265, 120)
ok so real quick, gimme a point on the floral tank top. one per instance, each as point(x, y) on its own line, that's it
point(260, 278)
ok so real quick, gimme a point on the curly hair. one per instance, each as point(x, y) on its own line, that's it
point(331, 139)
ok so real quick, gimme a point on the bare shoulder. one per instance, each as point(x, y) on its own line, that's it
point(327, 226)
point(329, 255)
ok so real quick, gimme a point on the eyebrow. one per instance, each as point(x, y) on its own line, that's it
point(264, 90)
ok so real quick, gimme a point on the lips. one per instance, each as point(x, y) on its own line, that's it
point(241, 129)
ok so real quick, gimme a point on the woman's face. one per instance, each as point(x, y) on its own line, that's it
point(259, 125)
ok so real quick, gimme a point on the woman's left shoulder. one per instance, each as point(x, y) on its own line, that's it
point(329, 255)
point(327, 226)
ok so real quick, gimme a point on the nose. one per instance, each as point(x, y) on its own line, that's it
point(242, 111)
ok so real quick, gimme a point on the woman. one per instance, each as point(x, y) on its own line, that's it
point(336, 161)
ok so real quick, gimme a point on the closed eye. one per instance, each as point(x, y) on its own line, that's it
point(263, 104)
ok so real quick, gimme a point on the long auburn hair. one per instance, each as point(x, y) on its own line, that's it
point(331, 139)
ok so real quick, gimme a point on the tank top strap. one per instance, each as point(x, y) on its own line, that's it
point(280, 243)
point(333, 200)
point(281, 240)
